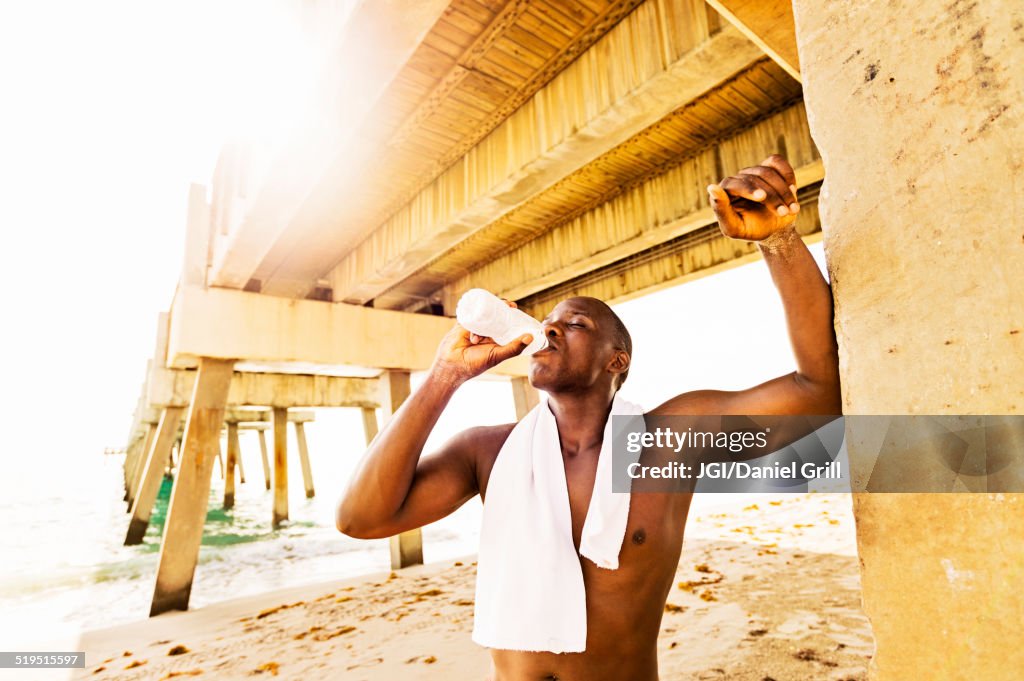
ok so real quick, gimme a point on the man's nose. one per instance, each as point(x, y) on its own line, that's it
point(551, 330)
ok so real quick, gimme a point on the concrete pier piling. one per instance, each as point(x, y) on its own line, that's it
point(186, 514)
point(921, 129)
point(167, 433)
point(232, 461)
point(280, 513)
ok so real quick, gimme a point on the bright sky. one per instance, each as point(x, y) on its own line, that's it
point(110, 110)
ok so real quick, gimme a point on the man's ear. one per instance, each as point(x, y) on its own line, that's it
point(619, 362)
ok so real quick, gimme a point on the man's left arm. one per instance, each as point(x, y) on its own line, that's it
point(759, 204)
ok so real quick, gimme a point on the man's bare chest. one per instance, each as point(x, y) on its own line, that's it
point(655, 522)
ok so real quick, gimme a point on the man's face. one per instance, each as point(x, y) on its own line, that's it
point(580, 347)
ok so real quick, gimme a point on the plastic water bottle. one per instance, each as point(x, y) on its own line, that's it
point(485, 314)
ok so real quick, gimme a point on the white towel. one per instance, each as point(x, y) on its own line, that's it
point(529, 586)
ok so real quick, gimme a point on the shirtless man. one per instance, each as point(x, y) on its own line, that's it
point(394, 489)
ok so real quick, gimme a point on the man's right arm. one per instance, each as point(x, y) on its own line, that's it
point(392, 489)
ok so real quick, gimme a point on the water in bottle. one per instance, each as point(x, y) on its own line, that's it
point(485, 314)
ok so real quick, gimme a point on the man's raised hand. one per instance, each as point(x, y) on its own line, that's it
point(756, 202)
point(463, 355)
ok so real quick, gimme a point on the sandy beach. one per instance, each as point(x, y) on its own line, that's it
point(766, 592)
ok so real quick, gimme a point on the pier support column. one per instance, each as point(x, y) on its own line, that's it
point(139, 464)
point(407, 547)
point(220, 460)
point(280, 466)
point(921, 128)
point(229, 481)
point(160, 451)
point(369, 424)
point(129, 454)
point(524, 395)
point(307, 472)
point(263, 452)
point(241, 466)
point(171, 456)
point(186, 514)
point(129, 463)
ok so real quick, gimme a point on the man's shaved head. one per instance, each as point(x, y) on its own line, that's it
point(619, 334)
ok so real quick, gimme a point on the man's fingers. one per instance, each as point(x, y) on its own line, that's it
point(728, 220)
point(744, 187)
point(502, 352)
point(777, 182)
point(759, 193)
point(773, 200)
point(783, 168)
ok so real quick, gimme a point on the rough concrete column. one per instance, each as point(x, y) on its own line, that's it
point(918, 110)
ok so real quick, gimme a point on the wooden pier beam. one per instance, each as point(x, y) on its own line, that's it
point(217, 322)
point(407, 547)
point(263, 452)
point(280, 466)
point(769, 24)
point(186, 515)
point(307, 472)
point(160, 452)
point(507, 168)
point(229, 480)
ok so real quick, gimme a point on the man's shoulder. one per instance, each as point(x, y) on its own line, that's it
point(486, 443)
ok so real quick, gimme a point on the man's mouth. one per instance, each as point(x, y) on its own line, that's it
point(550, 347)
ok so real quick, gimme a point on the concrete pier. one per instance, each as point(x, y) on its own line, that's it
point(921, 127)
